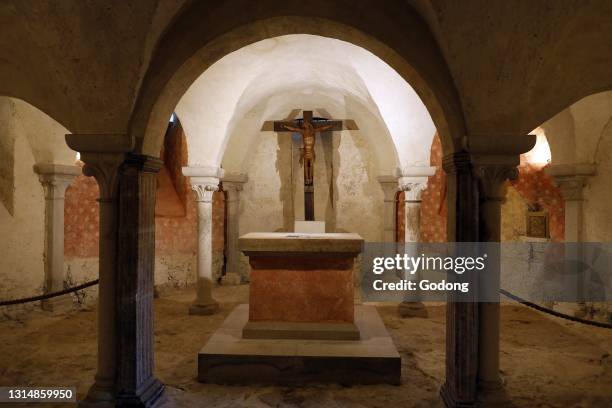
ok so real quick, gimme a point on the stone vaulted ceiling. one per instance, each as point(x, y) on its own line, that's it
point(505, 66)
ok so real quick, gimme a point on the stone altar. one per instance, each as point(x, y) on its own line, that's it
point(301, 324)
point(301, 285)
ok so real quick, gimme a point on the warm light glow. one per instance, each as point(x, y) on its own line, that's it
point(540, 154)
point(78, 156)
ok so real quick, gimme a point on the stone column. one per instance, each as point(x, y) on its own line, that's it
point(103, 156)
point(492, 184)
point(459, 388)
point(571, 180)
point(413, 182)
point(232, 184)
point(204, 182)
point(55, 179)
point(413, 188)
point(389, 187)
point(136, 384)
point(105, 167)
point(494, 162)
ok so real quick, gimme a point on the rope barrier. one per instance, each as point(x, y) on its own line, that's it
point(553, 312)
point(49, 295)
point(502, 291)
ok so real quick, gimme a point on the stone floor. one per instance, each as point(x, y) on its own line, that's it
point(546, 362)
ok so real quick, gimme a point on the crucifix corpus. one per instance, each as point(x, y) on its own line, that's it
point(308, 127)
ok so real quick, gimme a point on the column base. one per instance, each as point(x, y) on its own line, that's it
point(412, 309)
point(450, 400)
point(99, 396)
point(58, 304)
point(146, 396)
point(491, 394)
point(204, 309)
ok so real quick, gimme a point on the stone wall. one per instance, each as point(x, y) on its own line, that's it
point(7, 155)
point(598, 194)
point(22, 231)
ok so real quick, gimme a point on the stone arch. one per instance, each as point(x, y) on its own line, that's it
point(203, 34)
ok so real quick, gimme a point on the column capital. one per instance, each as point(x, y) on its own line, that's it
point(204, 191)
point(104, 167)
point(413, 181)
point(204, 181)
point(103, 155)
point(234, 182)
point(389, 186)
point(492, 179)
point(495, 160)
point(55, 178)
point(413, 188)
point(571, 179)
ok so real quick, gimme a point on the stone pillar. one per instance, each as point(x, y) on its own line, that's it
point(204, 182)
point(459, 388)
point(413, 182)
point(55, 179)
point(494, 162)
point(232, 184)
point(104, 166)
point(136, 383)
point(413, 188)
point(389, 187)
point(127, 249)
point(571, 180)
point(492, 185)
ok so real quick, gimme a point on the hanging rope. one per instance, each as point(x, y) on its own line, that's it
point(553, 312)
point(49, 295)
point(502, 291)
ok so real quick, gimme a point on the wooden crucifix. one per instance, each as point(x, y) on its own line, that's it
point(308, 127)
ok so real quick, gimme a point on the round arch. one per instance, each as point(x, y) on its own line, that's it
point(203, 34)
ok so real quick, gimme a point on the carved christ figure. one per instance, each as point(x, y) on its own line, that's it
point(307, 157)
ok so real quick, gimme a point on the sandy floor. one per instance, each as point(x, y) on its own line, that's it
point(546, 362)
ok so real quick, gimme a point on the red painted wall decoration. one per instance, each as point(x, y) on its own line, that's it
point(176, 219)
point(533, 185)
point(81, 218)
point(433, 206)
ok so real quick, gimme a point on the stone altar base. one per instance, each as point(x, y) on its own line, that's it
point(228, 358)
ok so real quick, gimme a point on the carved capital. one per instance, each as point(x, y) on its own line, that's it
point(55, 179)
point(571, 186)
point(204, 191)
point(571, 178)
point(492, 180)
point(412, 188)
point(104, 167)
point(103, 155)
point(389, 186)
point(233, 184)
